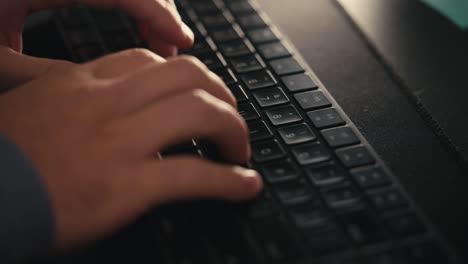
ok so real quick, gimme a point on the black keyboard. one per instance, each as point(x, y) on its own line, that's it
point(328, 198)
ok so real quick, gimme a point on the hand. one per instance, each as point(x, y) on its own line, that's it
point(158, 20)
point(93, 131)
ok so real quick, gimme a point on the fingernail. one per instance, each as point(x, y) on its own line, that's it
point(188, 32)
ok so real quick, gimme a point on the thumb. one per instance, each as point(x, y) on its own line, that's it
point(17, 69)
point(188, 178)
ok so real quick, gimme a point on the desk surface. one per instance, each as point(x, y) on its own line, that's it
point(372, 98)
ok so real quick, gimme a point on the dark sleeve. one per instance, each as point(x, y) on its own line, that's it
point(26, 221)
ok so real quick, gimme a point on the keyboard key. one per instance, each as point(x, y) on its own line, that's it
point(259, 130)
point(240, 7)
point(247, 64)
point(256, 80)
point(270, 97)
point(299, 82)
point(235, 48)
point(339, 137)
point(262, 207)
point(362, 227)
point(370, 177)
point(238, 93)
point(326, 176)
point(200, 46)
point(311, 154)
point(325, 118)
point(387, 198)
point(122, 40)
point(206, 7)
point(286, 66)
point(292, 193)
point(262, 35)
point(330, 239)
point(404, 223)
point(227, 34)
point(248, 111)
point(276, 240)
point(283, 115)
point(212, 60)
point(280, 171)
point(226, 75)
point(310, 219)
point(355, 156)
point(273, 50)
point(75, 17)
point(216, 20)
point(312, 100)
point(426, 252)
point(296, 134)
point(251, 21)
point(343, 198)
point(267, 151)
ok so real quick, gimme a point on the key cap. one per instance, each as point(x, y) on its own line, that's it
point(362, 227)
point(257, 80)
point(311, 154)
point(270, 97)
point(330, 239)
point(370, 177)
point(262, 35)
point(273, 50)
point(312, 100)
point(340, 137)
point(227, 34)
point(299, 82)
point(258, 131)
point(240, 7)
point(235, 48)
point(291, 193)
point(262, 207)
point(280, 171)
point(226, 75)
point(76, 17)
point(267, 151)
point(286, 66)
point(212, 60)
point(310, 218)
point(275, 240)
point(296, 134)
point(216, 20)
point(387, 198)
point(326, 176)
point(251, 21)
point(117, 41)
point(88, 53)
point(247, 64)
point(199, 47)
point(404, 223)
point(343, 198)
point(355, 156)
point(248, 111)
point(206, 7)
point(238, 92)
point(325, 118)
point(283, 115)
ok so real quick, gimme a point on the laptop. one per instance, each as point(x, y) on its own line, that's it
point(328, 198)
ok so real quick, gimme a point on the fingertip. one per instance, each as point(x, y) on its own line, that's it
point(251, 181)
point(188, 35)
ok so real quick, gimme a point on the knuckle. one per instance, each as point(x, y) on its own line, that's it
point(190, 65)
point(141, 54)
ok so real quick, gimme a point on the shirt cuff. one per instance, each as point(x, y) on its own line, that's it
point(26, 219)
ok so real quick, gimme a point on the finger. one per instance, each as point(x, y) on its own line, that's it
point(161, 15)
point(188, 178)
point(194, 114)
point(178, 75)
point(161, 47)
point(17, 68)
point(124, 63)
